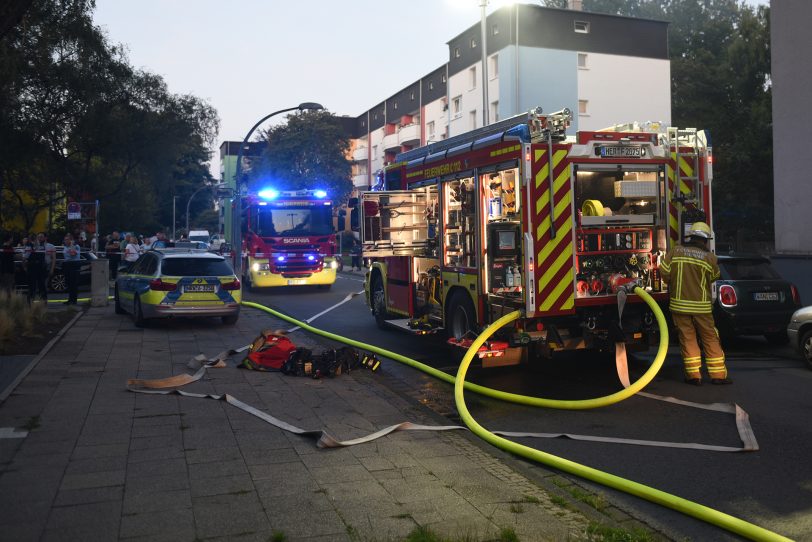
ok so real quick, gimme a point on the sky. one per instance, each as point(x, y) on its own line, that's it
point(248, 58)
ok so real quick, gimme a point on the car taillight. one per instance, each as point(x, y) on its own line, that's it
point(161, 286)
point(727, 295)
point(233, 285)
point(796, 297)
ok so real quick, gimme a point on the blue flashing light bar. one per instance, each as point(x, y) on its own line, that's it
point(320, 193)
point(268, 194)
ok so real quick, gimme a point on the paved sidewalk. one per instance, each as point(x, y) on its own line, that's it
point(103, 463)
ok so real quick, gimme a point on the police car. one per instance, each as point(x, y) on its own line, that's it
point(171, 282)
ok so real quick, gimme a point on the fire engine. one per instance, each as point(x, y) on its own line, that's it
point(519, 216)
point(288, 239)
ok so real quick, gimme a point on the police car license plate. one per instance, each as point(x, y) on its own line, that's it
point(765, 296)
point(622, 151)
point(198, 288)
point(296, 282)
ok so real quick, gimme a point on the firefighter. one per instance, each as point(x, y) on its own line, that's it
point(689, 270)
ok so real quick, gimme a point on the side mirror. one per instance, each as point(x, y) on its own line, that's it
point(342, 219)
point(352, 203)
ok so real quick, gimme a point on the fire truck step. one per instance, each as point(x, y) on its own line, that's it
point(403, 324)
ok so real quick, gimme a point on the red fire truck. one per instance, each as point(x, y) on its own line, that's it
point(518, 216)
point(288, 239)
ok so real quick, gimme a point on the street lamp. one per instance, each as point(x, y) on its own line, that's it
point(188, 203)
point(483, 4)
point(236, 214)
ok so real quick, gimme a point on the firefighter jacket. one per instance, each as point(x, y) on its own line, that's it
point(690, 271)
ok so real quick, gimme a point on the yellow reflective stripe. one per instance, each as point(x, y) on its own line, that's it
point(715, 360)
point(666, 266)
point(694, 261)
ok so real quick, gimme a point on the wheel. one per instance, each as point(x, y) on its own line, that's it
point(231, 319)
point(806, 347)
point(461, 316)
point(119, 308)
point(325, 286)
point(247, 281)
point(779, 338)
point(378, 299)
point(58, 283)
point(138, 314)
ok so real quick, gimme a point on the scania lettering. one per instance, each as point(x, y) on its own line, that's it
point(520, 216)
point(288, 239)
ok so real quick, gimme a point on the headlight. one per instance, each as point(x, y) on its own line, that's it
point(257, 266)
point(334, 264)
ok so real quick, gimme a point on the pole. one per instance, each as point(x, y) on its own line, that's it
point(483, 4)
point(188, 203)
point(174, 222)
point(236, 214)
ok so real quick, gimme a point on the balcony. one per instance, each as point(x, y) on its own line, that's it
point(360, 154)
point(409, 134)
point(361, 181)
point(390, 143)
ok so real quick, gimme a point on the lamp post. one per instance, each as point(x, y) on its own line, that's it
point(174, 222)
point(189, 202)
point(236, 213)
point(483, 4)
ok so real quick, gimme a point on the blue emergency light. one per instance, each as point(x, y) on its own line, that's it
point(268, 193)
point(320, 194)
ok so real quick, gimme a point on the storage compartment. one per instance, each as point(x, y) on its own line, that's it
point(396, 223)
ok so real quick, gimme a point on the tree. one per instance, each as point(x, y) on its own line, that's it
point(310, 151)
point(720, 66)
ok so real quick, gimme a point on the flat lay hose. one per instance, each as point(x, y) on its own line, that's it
point(704, 513)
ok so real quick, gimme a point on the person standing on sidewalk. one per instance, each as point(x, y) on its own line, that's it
point(690, 270)
point(70, 266)
point(7, 269)
point(113, 250)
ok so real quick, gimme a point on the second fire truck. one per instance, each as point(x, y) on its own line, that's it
point(518, 216)
point(288, 239)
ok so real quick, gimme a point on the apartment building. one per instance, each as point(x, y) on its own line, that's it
point(606, 69)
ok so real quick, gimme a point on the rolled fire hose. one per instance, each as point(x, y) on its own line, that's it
point(592, 207)
point(690, 508)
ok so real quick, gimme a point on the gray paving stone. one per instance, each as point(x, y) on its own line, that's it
point(202, 487)
point(100, 451)
point(89, 495)
point(220, 520)
point(208, 455)
point(96, 464)
point(156, 501)
point(214, 469)
point(341, 473)
point(92, 479)
point(156, 467)
point(172, 451)
point(304, 524)
point(97, 521)
point(175, 522)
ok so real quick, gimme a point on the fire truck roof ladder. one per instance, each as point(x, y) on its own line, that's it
point(527, 127)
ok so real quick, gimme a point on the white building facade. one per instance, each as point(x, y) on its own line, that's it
point(606, 69)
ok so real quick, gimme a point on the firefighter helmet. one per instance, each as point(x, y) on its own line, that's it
point(700, 229)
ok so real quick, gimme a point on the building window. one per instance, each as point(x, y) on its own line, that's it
point(582, 60)
point(456, 106)
point(473, 43)
point(443, 78)
point(494, 111)
point(583, 107)
point(495, 30)
point(472, 78)
point(582, 27)
point(430, 129)
point(431, 85)
point(395, 106)
point(374, 152)
point(456, 52)
point(493, 67)
point(375, 116)
point(411, 95)
point(472, 115)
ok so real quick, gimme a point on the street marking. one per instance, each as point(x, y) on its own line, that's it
point(12, 432)
point(325, 311)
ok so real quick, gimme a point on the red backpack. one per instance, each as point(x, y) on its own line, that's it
point(268, 352)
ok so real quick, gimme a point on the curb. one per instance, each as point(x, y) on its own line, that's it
point(33, 363)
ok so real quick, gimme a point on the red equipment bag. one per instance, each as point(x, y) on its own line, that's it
point(268, 352)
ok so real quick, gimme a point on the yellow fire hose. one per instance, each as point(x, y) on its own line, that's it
point(704, 513)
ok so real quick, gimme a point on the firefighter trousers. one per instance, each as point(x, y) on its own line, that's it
point(688, 327)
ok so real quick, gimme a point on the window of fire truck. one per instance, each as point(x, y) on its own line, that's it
point(459, 198)
point(616, 195)
point(501, 202)
point(269, 221)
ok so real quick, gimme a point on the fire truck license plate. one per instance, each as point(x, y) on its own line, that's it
point(198, 288)
point(623, 151)
point(296, 282)
point(766, 296)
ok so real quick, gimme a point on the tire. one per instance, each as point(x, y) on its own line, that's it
point(325, 286)
point(806, 348)
point(461, 316)
point(779, 338)
point(247, 281)
point(58, 283)
point(230, 320)
point(377, 297)
point(118, 307)
point(138, 313)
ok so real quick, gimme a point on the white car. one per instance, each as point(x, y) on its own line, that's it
point(800, 333)
point(216, 240)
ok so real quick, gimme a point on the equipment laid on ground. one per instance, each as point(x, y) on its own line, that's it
point(520, 216)
point(288, 239)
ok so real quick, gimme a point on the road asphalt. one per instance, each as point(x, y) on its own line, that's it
point(83, 458)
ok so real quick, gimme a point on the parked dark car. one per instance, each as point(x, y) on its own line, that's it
point(753, 299)
point(58, 282)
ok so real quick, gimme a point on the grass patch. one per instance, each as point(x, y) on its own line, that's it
point(508, 535)
point(516, 509)
point(597, 531)
point(596, 501)
point(32, 423)
point(531, 499)
point(557, 481)
point(560, 501)
point(278, 536)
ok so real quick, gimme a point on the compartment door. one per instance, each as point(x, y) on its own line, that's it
point(393, 223)
point(550, 225)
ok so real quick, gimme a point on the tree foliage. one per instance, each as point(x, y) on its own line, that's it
point(720, 67)
point(79, 122)
point(310, 151)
